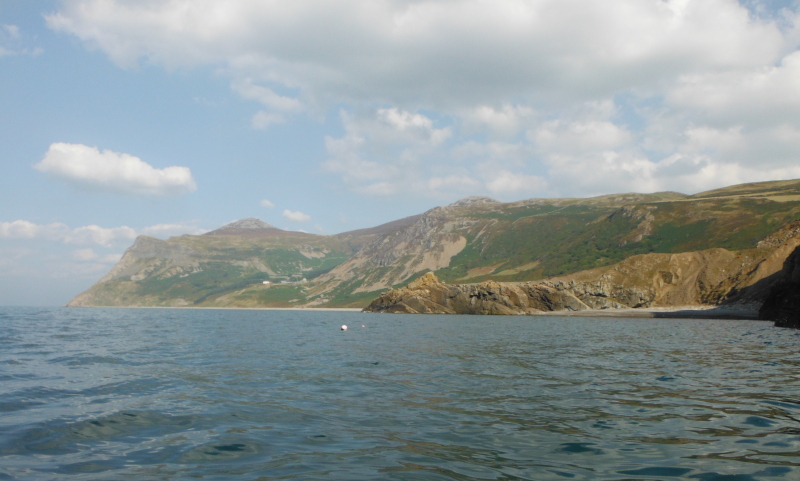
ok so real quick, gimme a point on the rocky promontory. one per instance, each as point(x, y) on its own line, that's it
point(765, 279)
point(427, 295)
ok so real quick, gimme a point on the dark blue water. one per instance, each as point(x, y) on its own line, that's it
point(213, 394)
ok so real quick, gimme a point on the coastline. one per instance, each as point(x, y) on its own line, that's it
point(348, 309)
point(678, 312)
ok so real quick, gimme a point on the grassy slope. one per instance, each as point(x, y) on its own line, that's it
point(526, 240)
point(584, 237)
point(227, 264)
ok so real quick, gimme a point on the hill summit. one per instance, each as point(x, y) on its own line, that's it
point(241, 227)
point(474, 199)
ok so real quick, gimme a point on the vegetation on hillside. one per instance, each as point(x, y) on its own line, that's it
point(520, 241)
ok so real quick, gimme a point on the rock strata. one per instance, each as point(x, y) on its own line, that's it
point(767, 278)
point(428, 295)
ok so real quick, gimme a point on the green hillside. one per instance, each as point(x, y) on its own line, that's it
point(547, 242)
point(473, 240)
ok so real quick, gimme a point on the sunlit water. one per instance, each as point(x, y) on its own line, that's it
point(216, 394)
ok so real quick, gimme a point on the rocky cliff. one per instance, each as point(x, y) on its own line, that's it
point(712, 277)
point(782, 303)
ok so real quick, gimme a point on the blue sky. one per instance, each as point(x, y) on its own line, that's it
point(122, 118)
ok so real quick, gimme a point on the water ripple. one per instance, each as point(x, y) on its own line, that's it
point(168, 394)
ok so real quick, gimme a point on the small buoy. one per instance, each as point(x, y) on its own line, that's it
point(362, 325)
point(344, 328)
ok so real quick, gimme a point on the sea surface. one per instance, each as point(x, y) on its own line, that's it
point(242, 394)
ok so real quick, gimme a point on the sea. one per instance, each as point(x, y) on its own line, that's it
point(168, 394)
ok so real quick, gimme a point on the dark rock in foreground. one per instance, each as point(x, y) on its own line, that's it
point(782, 304)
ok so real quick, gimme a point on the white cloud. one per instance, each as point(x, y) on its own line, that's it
point(580, 137)
point(504, 182)
point(23, 229)
point(11, 42)
point(94, 234)
point(296, 216)
point(262, 120)
point(506, 121)
point(435, 52)
point(12, 31)
point(111, 258)
point(169, 230)
point(89, 255)
point(267, 204)
point(266, 96)
point(408, 126)
point(571, 96)
point(461, 182)
point(112, 171)
point(90, 234)
point(383, 151)
point(84, 255)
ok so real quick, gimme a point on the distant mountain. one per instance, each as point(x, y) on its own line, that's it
point(470, 241)
point(249, 226)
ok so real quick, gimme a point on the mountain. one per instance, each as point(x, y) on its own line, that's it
point(761, 282)
point(251, 227)
point(470, 241)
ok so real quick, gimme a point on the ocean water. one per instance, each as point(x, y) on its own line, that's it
point(236, 394)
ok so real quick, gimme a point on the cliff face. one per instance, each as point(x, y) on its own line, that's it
point(427, 295)
point(782, 304)
point(707, 278)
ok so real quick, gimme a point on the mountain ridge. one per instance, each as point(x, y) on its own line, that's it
point(474, 239)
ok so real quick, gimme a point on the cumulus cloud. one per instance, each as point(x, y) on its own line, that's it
point(383, 151)
point(504, 182)
point(262, 120)
point(505, 121)
point(432, 51)
point(84, 255)
point(168, 230)
point(94, 234)
point(266, 203)
point(23, 229)
point(112, 171)
point(570, 97)
point(90, 234)
point(296, 216)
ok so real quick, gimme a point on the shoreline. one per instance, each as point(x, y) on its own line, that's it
point(678, 312)
point(345, 309)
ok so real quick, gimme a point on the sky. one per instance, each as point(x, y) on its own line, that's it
point(121, 118)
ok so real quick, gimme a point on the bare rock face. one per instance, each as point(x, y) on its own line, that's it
point(427, 295)
point(740, 280)
point(782, 304)
point(475, 199)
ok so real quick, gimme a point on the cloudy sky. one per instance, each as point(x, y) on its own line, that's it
point(161, 117)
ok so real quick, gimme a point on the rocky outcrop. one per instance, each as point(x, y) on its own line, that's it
point(741, 280)
point(782, 304)
point(429, 243)
point(250, 227)
point(427, 295)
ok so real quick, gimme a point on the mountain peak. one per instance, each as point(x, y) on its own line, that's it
point(241, 227)
point(475, 199)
